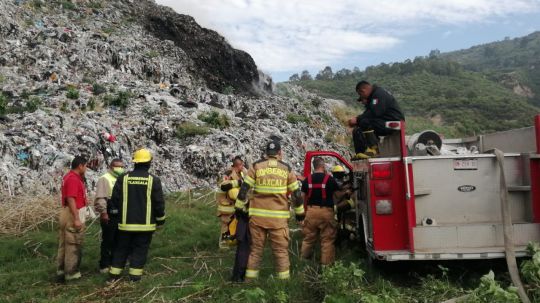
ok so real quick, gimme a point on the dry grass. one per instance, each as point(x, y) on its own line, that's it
point(21, 214)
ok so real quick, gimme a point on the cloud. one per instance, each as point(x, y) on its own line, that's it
point(289, 35)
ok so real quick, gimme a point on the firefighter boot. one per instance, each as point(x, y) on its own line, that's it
point(373, 148)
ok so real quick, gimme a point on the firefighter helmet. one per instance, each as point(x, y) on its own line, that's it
point(233, 193)
point(142, 156)
point(338, 169)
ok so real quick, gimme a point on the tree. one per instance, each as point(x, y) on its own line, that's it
point(325, 74)
point(306, 76)
point(434, 53)
point(342, 73)
point(294, 78)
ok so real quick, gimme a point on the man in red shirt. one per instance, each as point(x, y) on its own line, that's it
point(71, 221)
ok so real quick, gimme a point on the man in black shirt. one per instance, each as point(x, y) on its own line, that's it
point(380, 107)
point(319, 189)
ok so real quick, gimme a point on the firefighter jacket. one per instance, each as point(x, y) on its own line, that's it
point(104, 189)
point(272, 180)
point(138, 197)
point(225, 206)
point(381, 105)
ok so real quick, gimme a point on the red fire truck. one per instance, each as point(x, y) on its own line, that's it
point(416, 206)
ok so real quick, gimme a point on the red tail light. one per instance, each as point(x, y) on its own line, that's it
point(381, 171)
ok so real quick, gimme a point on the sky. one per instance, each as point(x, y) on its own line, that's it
point(288, 36)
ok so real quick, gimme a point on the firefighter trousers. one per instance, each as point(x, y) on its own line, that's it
point(225, 219)
point(132, 244)
point(319, 222)
point(279, 242)
point(108, 241)
point(70, 243)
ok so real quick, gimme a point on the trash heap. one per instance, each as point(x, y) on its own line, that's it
point(103, 78)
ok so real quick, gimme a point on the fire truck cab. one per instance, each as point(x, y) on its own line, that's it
point(416, 205)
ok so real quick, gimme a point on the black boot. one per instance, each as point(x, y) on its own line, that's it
point(370, 144)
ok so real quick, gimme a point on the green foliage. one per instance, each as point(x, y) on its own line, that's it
point(189, 129)
point(95, 4)
point(92, 104)
point(339, 279)
point(2, 78)
point(72, 93)
point(254, 295)
point(228, 90)
point(98, 89)
point(296, 118)
point(108, 30)
point(490, 291)
point(152, 54)
point(64, 107)
point(68, 5)
point(530, 270)
point(467, 102)
point(33, 104)
point(120, 99)
point(215, 120)
point(3, 104)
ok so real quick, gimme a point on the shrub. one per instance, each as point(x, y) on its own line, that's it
point(95, 4)
point(152, 54)
point(2, 78)
point(33, 103)
point(295, 118)
point(228, 90)
point(68, 5)
point(72, 93)
point(215, 119)
point(92, 104)
point(64, 107)
point(190, 129)
point(3, 104)
point(121, 99)
point(98, 89)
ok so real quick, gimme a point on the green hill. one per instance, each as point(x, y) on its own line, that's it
point(457, 94)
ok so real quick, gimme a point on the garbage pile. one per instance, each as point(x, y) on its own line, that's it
point(89, 78)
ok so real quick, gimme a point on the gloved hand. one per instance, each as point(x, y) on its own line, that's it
point(300, 218)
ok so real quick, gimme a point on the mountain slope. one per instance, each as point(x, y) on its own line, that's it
point(436, 92)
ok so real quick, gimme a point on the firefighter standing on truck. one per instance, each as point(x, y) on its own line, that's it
point(269, 209)
point(319, 189)
point(226, 196)
point(138, 197)
point(381, 107)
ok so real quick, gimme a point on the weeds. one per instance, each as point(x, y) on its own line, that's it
point(3, 104)
point(228, 90)
point(152, 54)
point(33, 104)
point(68, 5)
point(295, 118)
point(121, 99)
point(215, 119)
point(189, 129)
point(98, 89)
point(72, 93)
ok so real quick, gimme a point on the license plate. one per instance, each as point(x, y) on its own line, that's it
point(465, 164)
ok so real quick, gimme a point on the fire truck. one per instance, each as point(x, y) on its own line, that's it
point(415, 205)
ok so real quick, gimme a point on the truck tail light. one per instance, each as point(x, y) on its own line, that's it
point(382, 188)
point(381, 171)
point(393, 125)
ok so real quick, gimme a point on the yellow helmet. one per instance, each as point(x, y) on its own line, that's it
point(142, 156)
point(338, 169)
point(233, 193)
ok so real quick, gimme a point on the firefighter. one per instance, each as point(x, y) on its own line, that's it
point(109, 221)
point(319, 189)
point(228, 190)
point(344, 203)
point(342, 197)
point(138, 198)
point(380, 107)
point(271, 180)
